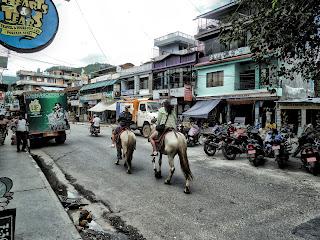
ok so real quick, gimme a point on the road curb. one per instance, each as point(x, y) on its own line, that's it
point(75, 234)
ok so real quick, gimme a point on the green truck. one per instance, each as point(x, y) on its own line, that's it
point(46, 114)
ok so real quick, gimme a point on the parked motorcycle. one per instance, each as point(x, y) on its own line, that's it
point(281, 148)
point(214, 142)
point(310, 158)
point(236, 145)
point(255, 151)
point(94, 131)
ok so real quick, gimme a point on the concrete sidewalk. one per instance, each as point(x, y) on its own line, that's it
point(39, 212)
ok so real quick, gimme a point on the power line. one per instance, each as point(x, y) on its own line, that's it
point(195, 7)
point(91, 31)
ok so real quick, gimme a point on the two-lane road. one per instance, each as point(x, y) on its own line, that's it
point(229, 200)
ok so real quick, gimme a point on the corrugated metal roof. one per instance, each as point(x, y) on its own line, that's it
point(98, 85)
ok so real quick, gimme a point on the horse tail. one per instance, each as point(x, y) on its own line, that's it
point(131, 146)
point(184, 162)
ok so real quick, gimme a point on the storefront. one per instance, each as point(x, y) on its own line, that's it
point(298, 113)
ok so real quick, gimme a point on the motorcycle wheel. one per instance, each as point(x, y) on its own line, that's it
point(228, 153)
point(313, 169)
point(281, 162)
point(209, 150)
point(190, 143)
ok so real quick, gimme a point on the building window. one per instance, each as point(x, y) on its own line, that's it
point(215, 79)
point(144, 83)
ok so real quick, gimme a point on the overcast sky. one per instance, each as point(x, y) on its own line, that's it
point(124, 29)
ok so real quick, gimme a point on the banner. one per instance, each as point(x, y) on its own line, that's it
point(187, 93)
point(28, 26)
point(46, 111)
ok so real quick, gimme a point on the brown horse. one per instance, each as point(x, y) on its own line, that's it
point(128, 145)
point(175, 143)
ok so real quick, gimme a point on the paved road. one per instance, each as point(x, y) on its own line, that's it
point(229, 200)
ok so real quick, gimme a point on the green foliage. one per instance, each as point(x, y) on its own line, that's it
point(87, 69)
point(287, 30)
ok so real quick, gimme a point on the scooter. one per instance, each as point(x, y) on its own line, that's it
point(94, 131)
point(281, 150)
point(193, 135)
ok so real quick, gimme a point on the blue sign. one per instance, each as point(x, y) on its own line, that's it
point(27, 26)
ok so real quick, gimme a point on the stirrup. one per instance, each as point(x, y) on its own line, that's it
point(154, 154)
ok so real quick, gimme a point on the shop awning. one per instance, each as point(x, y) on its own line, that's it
point(98, 85)
point(100, 107)
point(112, 107)
point(201, 109)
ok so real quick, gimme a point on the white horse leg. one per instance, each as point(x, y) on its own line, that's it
point(157, 173)
point(187, 187)
point(172, 168)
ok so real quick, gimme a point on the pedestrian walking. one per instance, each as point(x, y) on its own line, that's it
point(21, 133)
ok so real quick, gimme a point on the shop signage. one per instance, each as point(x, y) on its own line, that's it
point(177, 92)
point(174, 101)
point(28, 26)
point(95, 96)
point(127, 92)
point(2, 95)
point(229, 54)
point(160, 93)
point(188, 93)
point(144, 92)
point(7, 224)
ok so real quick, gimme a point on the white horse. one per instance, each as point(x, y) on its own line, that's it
point(174, 143)
point(128, 145)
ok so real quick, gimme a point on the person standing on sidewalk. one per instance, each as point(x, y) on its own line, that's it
point(21, 133)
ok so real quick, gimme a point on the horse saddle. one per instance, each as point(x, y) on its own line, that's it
point(117, 135)
point(160, 140)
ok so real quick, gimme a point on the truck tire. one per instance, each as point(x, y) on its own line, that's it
point(146, 130)
point(60, 139)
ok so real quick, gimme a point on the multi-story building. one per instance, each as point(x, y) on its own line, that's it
point(136, 81)
point(173, 70)
point(53, 80)
point(228, 73)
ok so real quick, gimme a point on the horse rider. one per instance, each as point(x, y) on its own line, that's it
point(124, 120)
point(166, 118)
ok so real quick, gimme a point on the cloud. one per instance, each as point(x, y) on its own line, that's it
point(93, 58)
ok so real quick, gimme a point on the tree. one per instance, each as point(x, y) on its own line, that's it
point(287, 30)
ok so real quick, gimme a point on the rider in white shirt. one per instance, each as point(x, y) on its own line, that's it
point(96, 121)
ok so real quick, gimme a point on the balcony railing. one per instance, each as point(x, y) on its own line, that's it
point(173, 35)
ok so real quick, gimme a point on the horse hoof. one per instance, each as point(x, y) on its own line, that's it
point(167, 182)
point(116, 163)
point(158, 175)
point(129, 171)
point(187, 190)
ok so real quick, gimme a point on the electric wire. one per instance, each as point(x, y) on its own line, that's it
point(91, 31)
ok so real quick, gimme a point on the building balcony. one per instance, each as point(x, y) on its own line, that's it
point(45, 84)
point(23, 73)
point(136, 70)
point(176, 37)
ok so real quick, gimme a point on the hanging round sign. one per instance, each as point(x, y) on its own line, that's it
point(27, 26)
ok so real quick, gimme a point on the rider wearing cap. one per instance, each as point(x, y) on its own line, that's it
point(166, 116)
point(124, 120)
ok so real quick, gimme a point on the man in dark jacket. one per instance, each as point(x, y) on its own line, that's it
point(124, 120)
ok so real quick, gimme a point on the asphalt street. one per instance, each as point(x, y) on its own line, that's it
point(229, 200)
